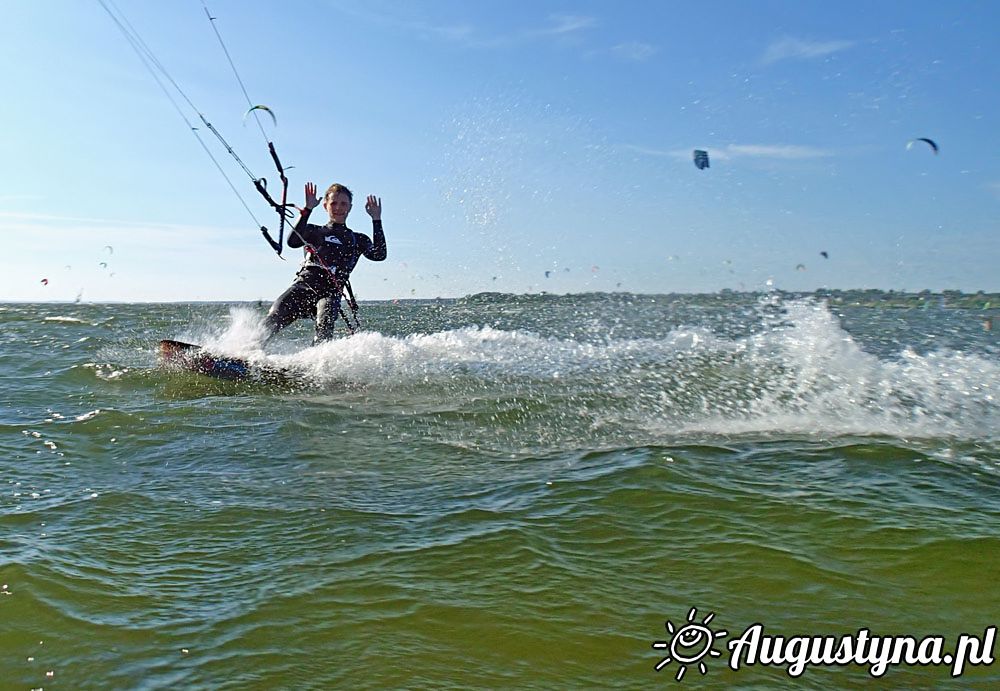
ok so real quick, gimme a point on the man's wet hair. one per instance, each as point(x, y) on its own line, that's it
point(336, 188)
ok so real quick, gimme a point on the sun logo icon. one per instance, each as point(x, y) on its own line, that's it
point(689, 644)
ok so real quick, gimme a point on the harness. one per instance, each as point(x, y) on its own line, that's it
point(340, 285)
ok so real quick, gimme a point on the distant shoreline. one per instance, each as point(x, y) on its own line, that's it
point(954, 299)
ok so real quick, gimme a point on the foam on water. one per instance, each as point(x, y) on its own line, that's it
point(479, 352)
point(67, 320)
point(800, 372)
point(242, 336)
point(817, 379)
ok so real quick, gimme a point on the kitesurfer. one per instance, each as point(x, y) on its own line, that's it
point(331, 253)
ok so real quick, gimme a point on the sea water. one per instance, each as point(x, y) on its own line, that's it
point(495, 492)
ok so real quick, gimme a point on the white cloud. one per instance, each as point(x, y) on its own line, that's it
point(17, 198)
point(468, 35)
point(562, 25)
point(461, 33)
point(789, 48)
point(68, 223)
point(568, 23)
point(94, 233)
point(646, 151)
point(634, 50)
point(784, 151)
point(731, 151)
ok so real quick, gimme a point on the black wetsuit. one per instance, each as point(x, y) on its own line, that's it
point(332, 251)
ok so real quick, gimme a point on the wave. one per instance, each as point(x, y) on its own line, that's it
point(799, 372)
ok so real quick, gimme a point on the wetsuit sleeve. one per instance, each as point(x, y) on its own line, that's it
point(302, 232)
point(375, 248)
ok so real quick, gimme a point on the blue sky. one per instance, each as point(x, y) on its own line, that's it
point(507, 140)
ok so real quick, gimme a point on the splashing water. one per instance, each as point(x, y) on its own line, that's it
point(797, 371)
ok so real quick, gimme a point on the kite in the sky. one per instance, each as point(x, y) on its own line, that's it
point(265, 109)
point(929, 142)
point(45, 281)
point(701, 159)
point(824, 254)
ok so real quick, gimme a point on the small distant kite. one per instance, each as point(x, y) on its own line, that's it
point(929, 142)
point(104, 265)
point(265, 109)
point(110, 249)
point(547, 274)
point(701, 159)
point(800, 267)
point(824, 254)
point(45, 281)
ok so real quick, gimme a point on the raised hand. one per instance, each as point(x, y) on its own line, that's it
point(311, 200)
point(374, 207)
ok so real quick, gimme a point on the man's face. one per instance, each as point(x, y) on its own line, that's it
point(338, 206)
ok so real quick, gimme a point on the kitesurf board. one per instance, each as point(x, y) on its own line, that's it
point(194, 358)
